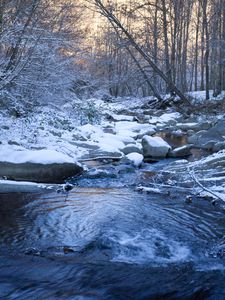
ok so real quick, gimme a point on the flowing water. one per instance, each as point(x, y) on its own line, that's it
point(110, 243)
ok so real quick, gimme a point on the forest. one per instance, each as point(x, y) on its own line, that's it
point(50, 49)
point(112, 149)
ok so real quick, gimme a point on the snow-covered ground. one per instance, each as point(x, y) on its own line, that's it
point(56, 129)
point(14, 154)
point(53, 134)
point(199, 96)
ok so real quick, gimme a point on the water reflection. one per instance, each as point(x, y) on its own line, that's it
point(177, 141)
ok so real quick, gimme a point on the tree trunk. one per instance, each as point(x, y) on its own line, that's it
point(155, 47)
point(205, 25)
point(196, 49)
point(166, 45)
point(105, 12)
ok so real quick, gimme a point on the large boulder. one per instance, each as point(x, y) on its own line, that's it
point(155, 147)
point(208, 138)
point(44, 173)
point(45, 166)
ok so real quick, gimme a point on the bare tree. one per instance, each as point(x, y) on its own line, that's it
point(38, 46)
point(112, 18)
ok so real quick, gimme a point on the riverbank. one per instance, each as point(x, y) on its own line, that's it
point(129, 138)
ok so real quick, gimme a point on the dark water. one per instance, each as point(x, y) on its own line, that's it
point(110, 244)
point(177, 141)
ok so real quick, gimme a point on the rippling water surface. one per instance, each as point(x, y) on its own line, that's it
point(110, 244)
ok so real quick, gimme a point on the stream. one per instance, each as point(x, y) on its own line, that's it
point(110, 243)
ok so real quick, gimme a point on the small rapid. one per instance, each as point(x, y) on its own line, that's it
point(97, 238)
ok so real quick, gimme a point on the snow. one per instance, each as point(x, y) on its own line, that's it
point(210, 159)
point(131, 129)
point(135, 158)
point(90, 129)
point(220, 194)
point(10, 155)
point(62, 139)
point(156, 141)
point(187, 124)
point(15, 186)
point(54, 128)
point(199, 96)
point(125, 139)
point(122, 117)
point(127, 102)
point(125, 132)
point(110, 144)
point(149, 190)
point(11, 182)
point(165, 118)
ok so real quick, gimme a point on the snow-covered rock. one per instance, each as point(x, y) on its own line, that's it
point(130, 148)
point(169, 118)
point(100, 154)
point(142, 133)
point(149, 190)
point(208, 138)
point(155, 147)
point(194, 126)
point(214, 161)
point(47, 166)
point(9, 186)
point(166, 118)
point(133, 129)
point(219, 146)
point(117, 118)
point(135, 158)
point(180, 151)
point(19, 156)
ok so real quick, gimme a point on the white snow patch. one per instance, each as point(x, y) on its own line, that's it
point(210, 158)
point(122, 117)
point(135, 158)
point(8, 154)
point(90, 129)
point(149, 190)
point(23, 183)
point(156, 141)
point(165, 118)
point(131, 129)
point(110, 143)
point(125, 139)
point(132, 126)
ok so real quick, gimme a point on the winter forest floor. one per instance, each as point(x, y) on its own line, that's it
point(114, 131)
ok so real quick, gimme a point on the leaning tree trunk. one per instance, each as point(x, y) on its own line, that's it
point(155, 46)
point(145, 76)
point(166, 45)
point(110, 16)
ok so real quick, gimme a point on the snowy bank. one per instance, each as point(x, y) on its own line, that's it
point(46, 166)
point(18, 156)
point(9, 186)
